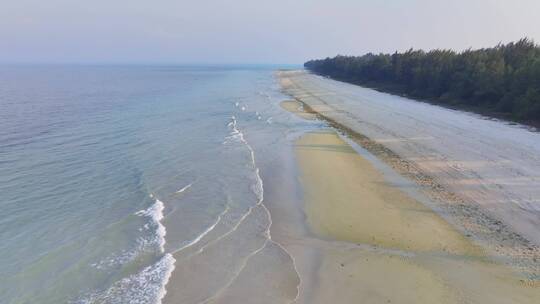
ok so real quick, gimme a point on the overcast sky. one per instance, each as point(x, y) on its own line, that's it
point(251, 31)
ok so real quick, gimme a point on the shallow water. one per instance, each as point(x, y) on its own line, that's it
point(110, 175)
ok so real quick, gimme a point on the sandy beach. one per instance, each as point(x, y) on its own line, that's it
point(343, 218)
point(377, 244)
point(480, 174)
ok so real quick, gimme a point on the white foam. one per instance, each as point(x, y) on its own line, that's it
point(232, 122)
point(146, 286)
point(155, 212)
point(258, 189)
point(145, 243)
point(185, 188)
point(235, 133)
point(168, 267)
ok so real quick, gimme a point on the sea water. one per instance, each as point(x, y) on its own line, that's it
point(108, 172)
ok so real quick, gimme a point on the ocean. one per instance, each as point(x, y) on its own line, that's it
point(108, 174)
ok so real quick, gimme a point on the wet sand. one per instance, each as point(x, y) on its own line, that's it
point(372, 242)
point(392, 248)
point(489, 163)
point(334, 227)
point(349, 200)
point(481, 175)
point(297, 108)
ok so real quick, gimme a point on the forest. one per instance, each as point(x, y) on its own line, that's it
point(503, 81)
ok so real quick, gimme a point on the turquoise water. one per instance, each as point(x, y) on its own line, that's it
point(106, 172)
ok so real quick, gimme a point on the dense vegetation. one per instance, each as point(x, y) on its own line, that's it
point(504, 79)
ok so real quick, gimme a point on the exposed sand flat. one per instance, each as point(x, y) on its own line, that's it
point(353, 203)
point(483, 174)
point(389, 248)
point(296, 107)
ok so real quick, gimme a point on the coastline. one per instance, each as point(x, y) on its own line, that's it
point(377, 244)
point(533, 125)
point(223, 263)
point(244, 245)
point(506, 229)
point(344, 219)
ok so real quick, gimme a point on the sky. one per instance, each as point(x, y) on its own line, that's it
point(251, 31)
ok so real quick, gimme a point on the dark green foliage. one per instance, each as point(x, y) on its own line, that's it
point(503, 79)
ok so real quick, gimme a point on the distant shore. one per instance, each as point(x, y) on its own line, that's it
point(488, 113)
point(378, 242)
point(501, 81)
point(406, 155)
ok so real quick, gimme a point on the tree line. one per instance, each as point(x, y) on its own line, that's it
point(504, 79)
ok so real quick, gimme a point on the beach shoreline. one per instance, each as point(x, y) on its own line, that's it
point(373, 242)
point(471, 218)
point(344, 220)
